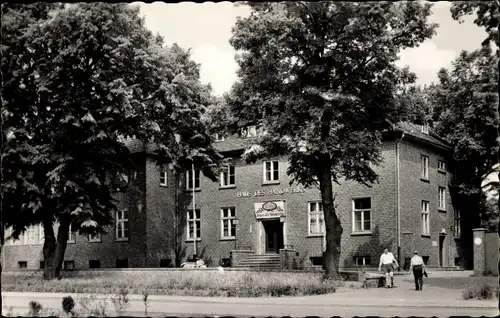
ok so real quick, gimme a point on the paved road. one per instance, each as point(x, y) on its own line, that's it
point(338, 304)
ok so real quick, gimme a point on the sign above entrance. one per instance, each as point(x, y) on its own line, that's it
point(261, 193)
point(270, 209)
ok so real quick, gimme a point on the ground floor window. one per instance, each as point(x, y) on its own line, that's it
point(316, 218)
point(22, 265)
point(362, 260)
point(122, 263)
point(228, 225)
point(69, 265)
point(94, 263)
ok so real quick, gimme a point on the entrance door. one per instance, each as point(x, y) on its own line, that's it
point(274, 235)
point(442, 262)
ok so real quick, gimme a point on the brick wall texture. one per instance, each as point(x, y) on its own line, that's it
point(158, 230)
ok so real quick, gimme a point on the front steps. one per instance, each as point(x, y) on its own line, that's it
point(262, 261)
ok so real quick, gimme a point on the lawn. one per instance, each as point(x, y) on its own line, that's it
point(189, 283)
point(460, 282)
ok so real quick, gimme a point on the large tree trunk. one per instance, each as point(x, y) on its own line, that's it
point(332, 224)
point(53, 251)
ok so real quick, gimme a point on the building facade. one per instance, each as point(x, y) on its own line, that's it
point(254, 207)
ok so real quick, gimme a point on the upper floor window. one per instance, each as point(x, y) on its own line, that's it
point(228, 224)
point(95, 238)
point(441, 166)
point(251, 131)
point(424, 167)
point(71, 235)
point(316, 218)
point(425, 218)
point(456, 224)
point(227, 176)
point(425, 128)
point(122, 225)
point(32, 235)
point(189, 179)
point(163, 178)
point(442, 198)
point(362, 210)
point(271, 171)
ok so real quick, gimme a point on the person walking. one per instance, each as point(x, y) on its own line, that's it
point(417, 266)
point(388, 263)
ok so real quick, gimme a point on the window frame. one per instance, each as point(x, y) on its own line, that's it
point(198, 228)
point(32, 235)
point(456, 223)
point(251, 131)
point(364, 259)
point(425, 222)
point(424, 128)
point(272, 171)
point(230, 219)
point(318, 211)
point(71, 236)
point(227, 170)
point(424, 167)
point(363, 211)
point(164, 176)
point(95, 240)
point(189, 179)
point(442, 199)
point(125, 228)
point(442, 166)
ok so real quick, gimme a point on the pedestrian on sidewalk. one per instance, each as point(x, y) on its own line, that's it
point(388, 263)
point(417, 266)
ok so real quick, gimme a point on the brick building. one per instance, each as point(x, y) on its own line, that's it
point(254, 208)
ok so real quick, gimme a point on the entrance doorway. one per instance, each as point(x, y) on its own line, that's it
point(441, 246)
point(274, 236)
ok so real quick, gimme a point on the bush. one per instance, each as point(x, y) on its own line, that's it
point(35, 308)
point(483, 291)
point(68, 304)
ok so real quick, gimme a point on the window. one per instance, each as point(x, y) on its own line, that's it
point(22, 265)
point(425, 259)
point(441, 166)
point(316, 260)
point(227, 177)
point(189, 179)
point(362, 215)
point(32, 235)
point(425, 218)
point(316, 218)
point(122, 263)
point(42, 264)
point(69, 265)
point(362, 261)
point(442, 199)
point(94, 263)
point(71, 236)
point(251, 131)
point(456, 225)
point(425, 128)
point(228, 226)
point(424, 162)
point(95, 238)
point(41, 234)
point(193, 219)
point(271, 171)
point(122, 225)
point(163, 178)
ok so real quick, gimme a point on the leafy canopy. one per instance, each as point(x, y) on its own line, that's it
point(78, 81)
point(320, 78)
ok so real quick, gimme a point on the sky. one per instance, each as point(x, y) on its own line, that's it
point(206, 29)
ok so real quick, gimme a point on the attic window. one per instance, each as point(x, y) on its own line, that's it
point(250, 131)
point(425, 128)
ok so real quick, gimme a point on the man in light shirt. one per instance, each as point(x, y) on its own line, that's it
point(418, 267)
point(387, 263)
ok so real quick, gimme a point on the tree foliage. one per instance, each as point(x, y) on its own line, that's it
point(320, 78)
point(78, 80)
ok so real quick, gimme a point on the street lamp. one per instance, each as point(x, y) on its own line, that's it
point(235, 222)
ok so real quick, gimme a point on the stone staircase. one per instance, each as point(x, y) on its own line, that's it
point(262, 261)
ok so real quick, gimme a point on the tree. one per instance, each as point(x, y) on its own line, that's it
point(320, 78)
point(465, 102)
point(77, 81)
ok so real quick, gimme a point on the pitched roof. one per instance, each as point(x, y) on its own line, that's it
point(415, 131)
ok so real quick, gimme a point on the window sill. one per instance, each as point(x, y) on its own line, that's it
point(231, 186)
point(361, 233)
point(229, 238)
point(442, 172)
point(424, 180)
point(71, 242)
point(270, 182)
point(425, 235)
point(121, 240)
point(316, 235)
point(442, 210)
point(192, 240)
point(95, 241)
point(195, 190)
point(163, 185)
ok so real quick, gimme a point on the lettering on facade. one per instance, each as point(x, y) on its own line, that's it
point(270, 209)
point(261, 193)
